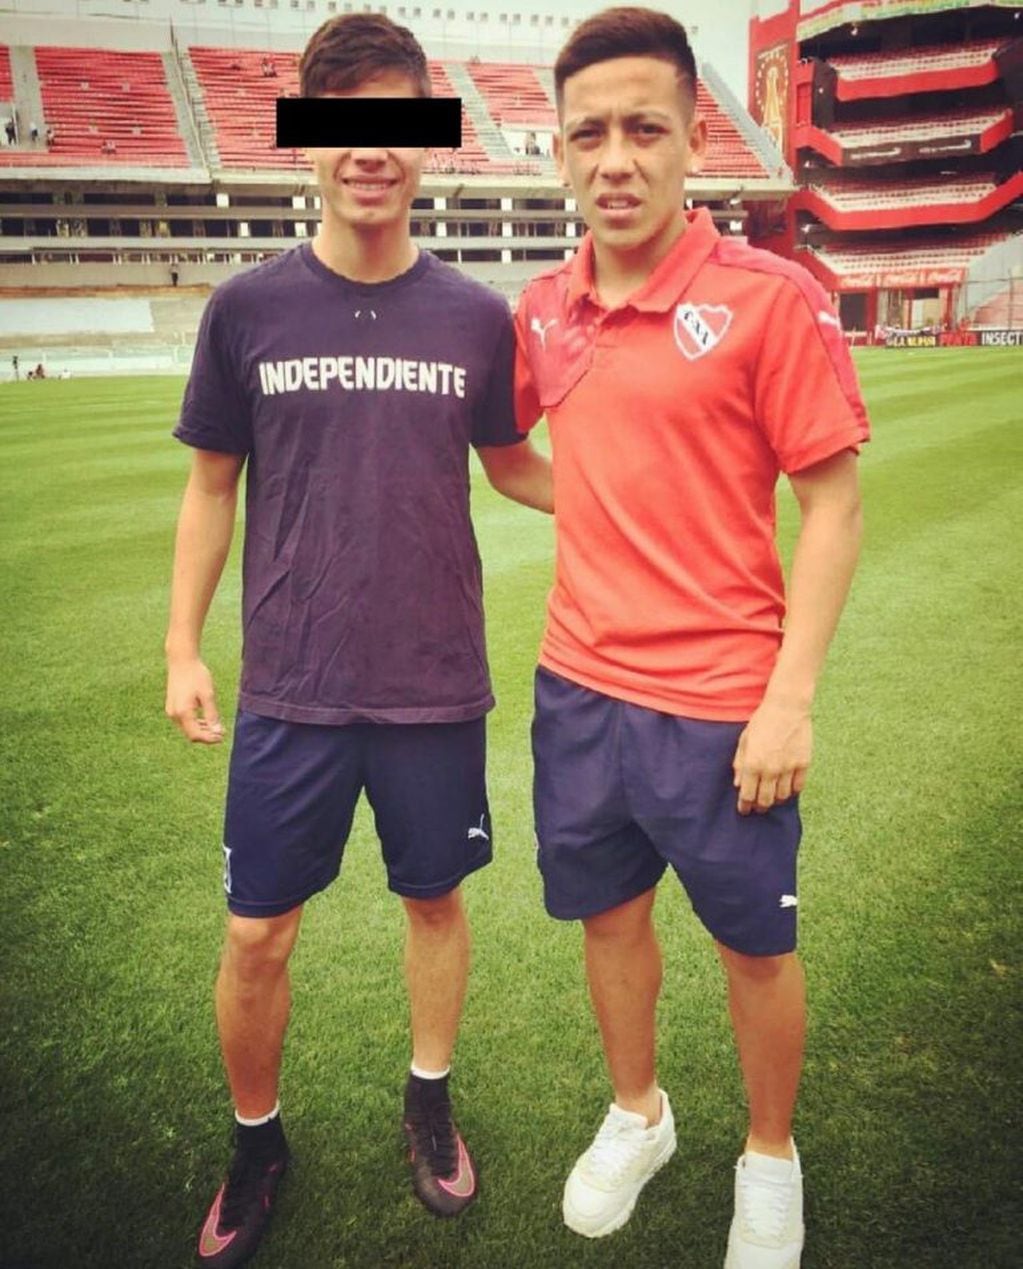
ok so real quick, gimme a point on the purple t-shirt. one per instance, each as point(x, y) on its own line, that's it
point(356, 405)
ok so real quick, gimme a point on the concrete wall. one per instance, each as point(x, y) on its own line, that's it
point(95, 276)
point(99, 276)
point(75, 32)
point(78, 361)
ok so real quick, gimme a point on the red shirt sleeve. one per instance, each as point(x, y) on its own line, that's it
point(527, 399)
point(806, 394)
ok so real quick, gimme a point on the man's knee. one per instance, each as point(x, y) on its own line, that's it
point(443, 912)
point(257, 948)
point(628, 922)
point(757, 969)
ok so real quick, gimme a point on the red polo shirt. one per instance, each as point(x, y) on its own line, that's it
point(671, 418)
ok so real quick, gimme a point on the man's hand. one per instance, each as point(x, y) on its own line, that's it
point(191, 703)
point(772, 756)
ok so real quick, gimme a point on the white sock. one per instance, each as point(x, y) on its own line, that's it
point(263, 1119)
point(419, 1073)
point(771, 1167)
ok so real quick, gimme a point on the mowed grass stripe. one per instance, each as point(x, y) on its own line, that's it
point(110, 848)
point(920, 851)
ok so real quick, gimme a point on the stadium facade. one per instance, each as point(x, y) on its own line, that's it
point(901, 121)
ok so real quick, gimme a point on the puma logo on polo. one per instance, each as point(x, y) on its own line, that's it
point(541, 329)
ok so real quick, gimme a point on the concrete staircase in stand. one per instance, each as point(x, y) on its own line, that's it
point(490, 135)
point(202, 126)
point(183, 110)
point(28, 96)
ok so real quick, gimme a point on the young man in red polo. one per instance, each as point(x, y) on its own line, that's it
point(680, 373)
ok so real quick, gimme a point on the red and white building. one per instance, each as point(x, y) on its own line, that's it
point(901, 120)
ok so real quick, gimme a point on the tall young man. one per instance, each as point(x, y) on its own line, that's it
point(680, 373)
point(351, 374)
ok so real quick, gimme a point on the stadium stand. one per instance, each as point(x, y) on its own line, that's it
point(107, 107)
point(919, 136)
point(6, 85)
point(903, 203)
point(840, 265)
point(238, 94)
point(239, 98)
point(901, 117)
point(728, 152)
point(514, 94)
point(101, 334)
point(865, 195)
point(940, 67)
point(472, 156)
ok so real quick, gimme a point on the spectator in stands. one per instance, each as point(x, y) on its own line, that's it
point(673, 709)
point(51, 134)
point(109, 146)
point(11, 131)
point(363, 616)
point(174, 275)
point(33, 132)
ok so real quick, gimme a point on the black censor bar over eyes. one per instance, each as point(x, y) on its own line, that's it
point(342, 122)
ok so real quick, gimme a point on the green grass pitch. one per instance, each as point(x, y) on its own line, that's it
point(115, 1115)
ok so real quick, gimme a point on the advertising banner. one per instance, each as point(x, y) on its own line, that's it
point(954, 339)
point(1001, 338)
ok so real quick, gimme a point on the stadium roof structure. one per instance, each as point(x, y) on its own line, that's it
point(819, 16)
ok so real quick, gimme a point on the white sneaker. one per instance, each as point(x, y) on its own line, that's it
point(767, 1228)
point(602, 1188)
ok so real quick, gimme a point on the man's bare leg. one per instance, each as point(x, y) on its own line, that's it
point(437, 973)
point(623, 966)
point(767, 1000)
point(253, 1001)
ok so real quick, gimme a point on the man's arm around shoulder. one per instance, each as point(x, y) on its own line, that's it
point(520, 472)
point(205, 527)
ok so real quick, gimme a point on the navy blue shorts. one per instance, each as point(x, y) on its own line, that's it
point(621, 791)
point(291, 797)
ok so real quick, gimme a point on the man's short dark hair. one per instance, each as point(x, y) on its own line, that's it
point(627, 31)
point(347, 51)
